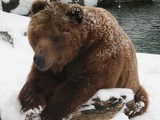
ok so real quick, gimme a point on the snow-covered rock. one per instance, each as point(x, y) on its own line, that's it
point(23, 7)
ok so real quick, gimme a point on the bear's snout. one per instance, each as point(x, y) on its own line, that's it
point(39, 61)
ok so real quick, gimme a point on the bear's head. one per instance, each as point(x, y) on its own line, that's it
point(55, 34)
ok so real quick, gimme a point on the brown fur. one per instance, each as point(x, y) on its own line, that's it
point(78, 50)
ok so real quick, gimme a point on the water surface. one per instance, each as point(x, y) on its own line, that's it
point(142, 24)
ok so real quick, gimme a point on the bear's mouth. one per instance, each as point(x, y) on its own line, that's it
point(42, 68)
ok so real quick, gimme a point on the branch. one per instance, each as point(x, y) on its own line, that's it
point(6, 37)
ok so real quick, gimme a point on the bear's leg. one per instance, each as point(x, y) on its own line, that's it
point(29, 98)
point(69, 97)
point(37, 90)
point(140, 105)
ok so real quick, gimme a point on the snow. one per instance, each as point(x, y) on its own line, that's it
point(11, 21)
point(120, 116)
point(66, 1)
point(6, 1)
point(90, 2)
point(117, 93)
point(15, 63)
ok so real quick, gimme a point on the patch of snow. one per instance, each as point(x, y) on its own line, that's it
point(120, 116)
point(15, 57)
point(33, 114)
point(6, 1)
point(66, 1)
point(90, 2)
point(9, 105)
point(13, 23)
point(105, 94)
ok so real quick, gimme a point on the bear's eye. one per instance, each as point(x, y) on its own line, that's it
point(57, 38)
point(36, 37)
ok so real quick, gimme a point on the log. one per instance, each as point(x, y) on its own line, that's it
point(105, 110)
point(104, 105)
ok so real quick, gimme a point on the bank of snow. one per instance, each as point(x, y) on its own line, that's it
point(15, 65)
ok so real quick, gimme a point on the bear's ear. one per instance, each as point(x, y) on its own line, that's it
point(75, 12)
point(38, 5)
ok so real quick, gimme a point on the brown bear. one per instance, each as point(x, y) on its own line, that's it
point(78, 51)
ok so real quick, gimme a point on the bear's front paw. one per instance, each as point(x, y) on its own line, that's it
point(44, 116)
point(33, 114)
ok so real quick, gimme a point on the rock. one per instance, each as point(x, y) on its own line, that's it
point(7, 7)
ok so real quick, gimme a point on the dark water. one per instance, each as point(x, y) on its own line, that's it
point(142, 24)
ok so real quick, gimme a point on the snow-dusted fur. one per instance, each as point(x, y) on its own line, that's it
point(78, 51)
point(107, 29)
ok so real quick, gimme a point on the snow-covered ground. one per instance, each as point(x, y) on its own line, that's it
point(15, 65)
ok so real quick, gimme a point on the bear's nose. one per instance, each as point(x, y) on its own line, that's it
point(39, 60)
